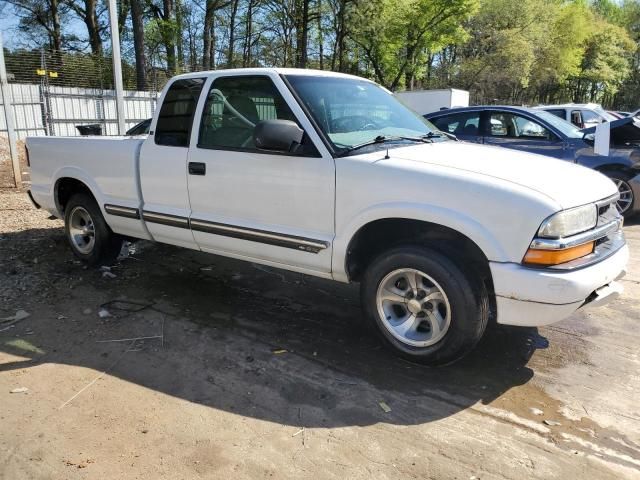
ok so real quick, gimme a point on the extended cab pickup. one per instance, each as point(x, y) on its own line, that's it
point(329, 175)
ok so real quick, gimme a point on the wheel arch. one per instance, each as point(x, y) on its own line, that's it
point(383, 233)
point(65, 187)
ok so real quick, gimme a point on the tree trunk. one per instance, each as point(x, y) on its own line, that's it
point(56, 35)
point(341, 35)
point(124, 7)
point(232, 33)
point(169, 35)
point(248, 36)
point(320, 35)
point(138, 43)
point(208, 34)
point(93, 28)
point(179, 28)
point(302, 33)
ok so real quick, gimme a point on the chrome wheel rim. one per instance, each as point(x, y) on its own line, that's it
point(81, 230)
point(626, 195)
point(413, 307)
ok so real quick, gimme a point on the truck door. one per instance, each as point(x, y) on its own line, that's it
point(250, 203)
point(163, 165)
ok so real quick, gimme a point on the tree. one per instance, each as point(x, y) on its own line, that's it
point(137, 23)
point(87, 12)
point(41, 16)
point(395, 35)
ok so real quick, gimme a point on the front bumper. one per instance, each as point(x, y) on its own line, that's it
point(534, 297)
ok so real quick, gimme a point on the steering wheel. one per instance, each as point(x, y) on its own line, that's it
point(353, 123)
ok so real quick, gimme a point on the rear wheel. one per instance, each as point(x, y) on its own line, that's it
point(423, 305)
point(91, 239)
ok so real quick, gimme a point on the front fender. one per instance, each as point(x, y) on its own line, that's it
point(471, 228)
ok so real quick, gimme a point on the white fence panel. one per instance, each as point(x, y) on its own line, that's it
point(40, 109)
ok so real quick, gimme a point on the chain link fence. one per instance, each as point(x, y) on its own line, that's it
point(53, 93)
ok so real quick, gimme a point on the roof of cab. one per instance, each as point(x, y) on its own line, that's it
point(263, 70)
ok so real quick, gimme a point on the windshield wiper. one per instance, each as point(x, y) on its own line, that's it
point(383, 139)
point(439, 134)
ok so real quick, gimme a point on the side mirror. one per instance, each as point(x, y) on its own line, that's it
point(277, 135)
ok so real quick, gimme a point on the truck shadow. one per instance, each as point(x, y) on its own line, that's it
point(259, 342)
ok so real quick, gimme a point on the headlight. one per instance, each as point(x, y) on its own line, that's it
point(569, 222)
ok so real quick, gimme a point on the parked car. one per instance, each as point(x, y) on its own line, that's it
point(582, 115)
point(141, 128)
point(538, 131)
point(329, 175)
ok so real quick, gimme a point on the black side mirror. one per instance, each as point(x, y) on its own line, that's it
point(277, 135)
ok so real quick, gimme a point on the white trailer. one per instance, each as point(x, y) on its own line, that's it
point(427, 101)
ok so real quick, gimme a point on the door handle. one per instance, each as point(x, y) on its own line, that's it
point(197, 168)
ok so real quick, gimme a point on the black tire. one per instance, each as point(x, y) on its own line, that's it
point(106, 245)
point(621, 179)
point(468, 300)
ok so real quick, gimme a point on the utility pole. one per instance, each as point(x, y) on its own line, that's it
point(8, 115)
point(117, 65)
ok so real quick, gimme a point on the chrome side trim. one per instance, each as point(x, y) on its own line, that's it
point(261, 236)
point(165, 219)
point(120, 211)
point(579, 239)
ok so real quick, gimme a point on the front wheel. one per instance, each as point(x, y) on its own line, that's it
point(423, 306)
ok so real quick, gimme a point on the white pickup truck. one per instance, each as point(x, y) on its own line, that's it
point(329, 175)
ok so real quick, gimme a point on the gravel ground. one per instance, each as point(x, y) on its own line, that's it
point(205, 367)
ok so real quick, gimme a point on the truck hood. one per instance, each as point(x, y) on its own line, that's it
point(566, 183)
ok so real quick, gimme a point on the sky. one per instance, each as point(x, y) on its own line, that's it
point(12, 38)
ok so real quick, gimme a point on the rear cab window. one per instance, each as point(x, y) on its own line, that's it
point(175, 118)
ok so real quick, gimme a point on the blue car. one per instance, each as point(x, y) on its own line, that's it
point(537, 131)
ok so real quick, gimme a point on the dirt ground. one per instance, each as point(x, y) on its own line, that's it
point(6, 167)
point(245, 372)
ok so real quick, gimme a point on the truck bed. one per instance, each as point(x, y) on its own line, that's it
point(107, 165)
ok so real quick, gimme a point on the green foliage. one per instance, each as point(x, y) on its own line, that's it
point(395, 35)
point(508, 51)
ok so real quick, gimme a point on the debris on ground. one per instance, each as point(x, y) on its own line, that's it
point(552, 423)
point(536, 411)
point(385, 408)
point(19, 390)
point(108, 275)
point(278, 352)
point(8, 322)
point(104, 313)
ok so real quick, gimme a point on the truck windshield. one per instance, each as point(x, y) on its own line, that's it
point(352, 112)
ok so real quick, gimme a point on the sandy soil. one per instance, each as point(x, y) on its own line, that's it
point(241, 371)
point(6, 168)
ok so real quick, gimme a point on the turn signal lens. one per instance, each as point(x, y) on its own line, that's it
point(556, 257)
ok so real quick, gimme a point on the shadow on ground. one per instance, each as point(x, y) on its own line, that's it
point(221, 322)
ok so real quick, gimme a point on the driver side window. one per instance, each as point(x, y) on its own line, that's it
point(234, 106)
